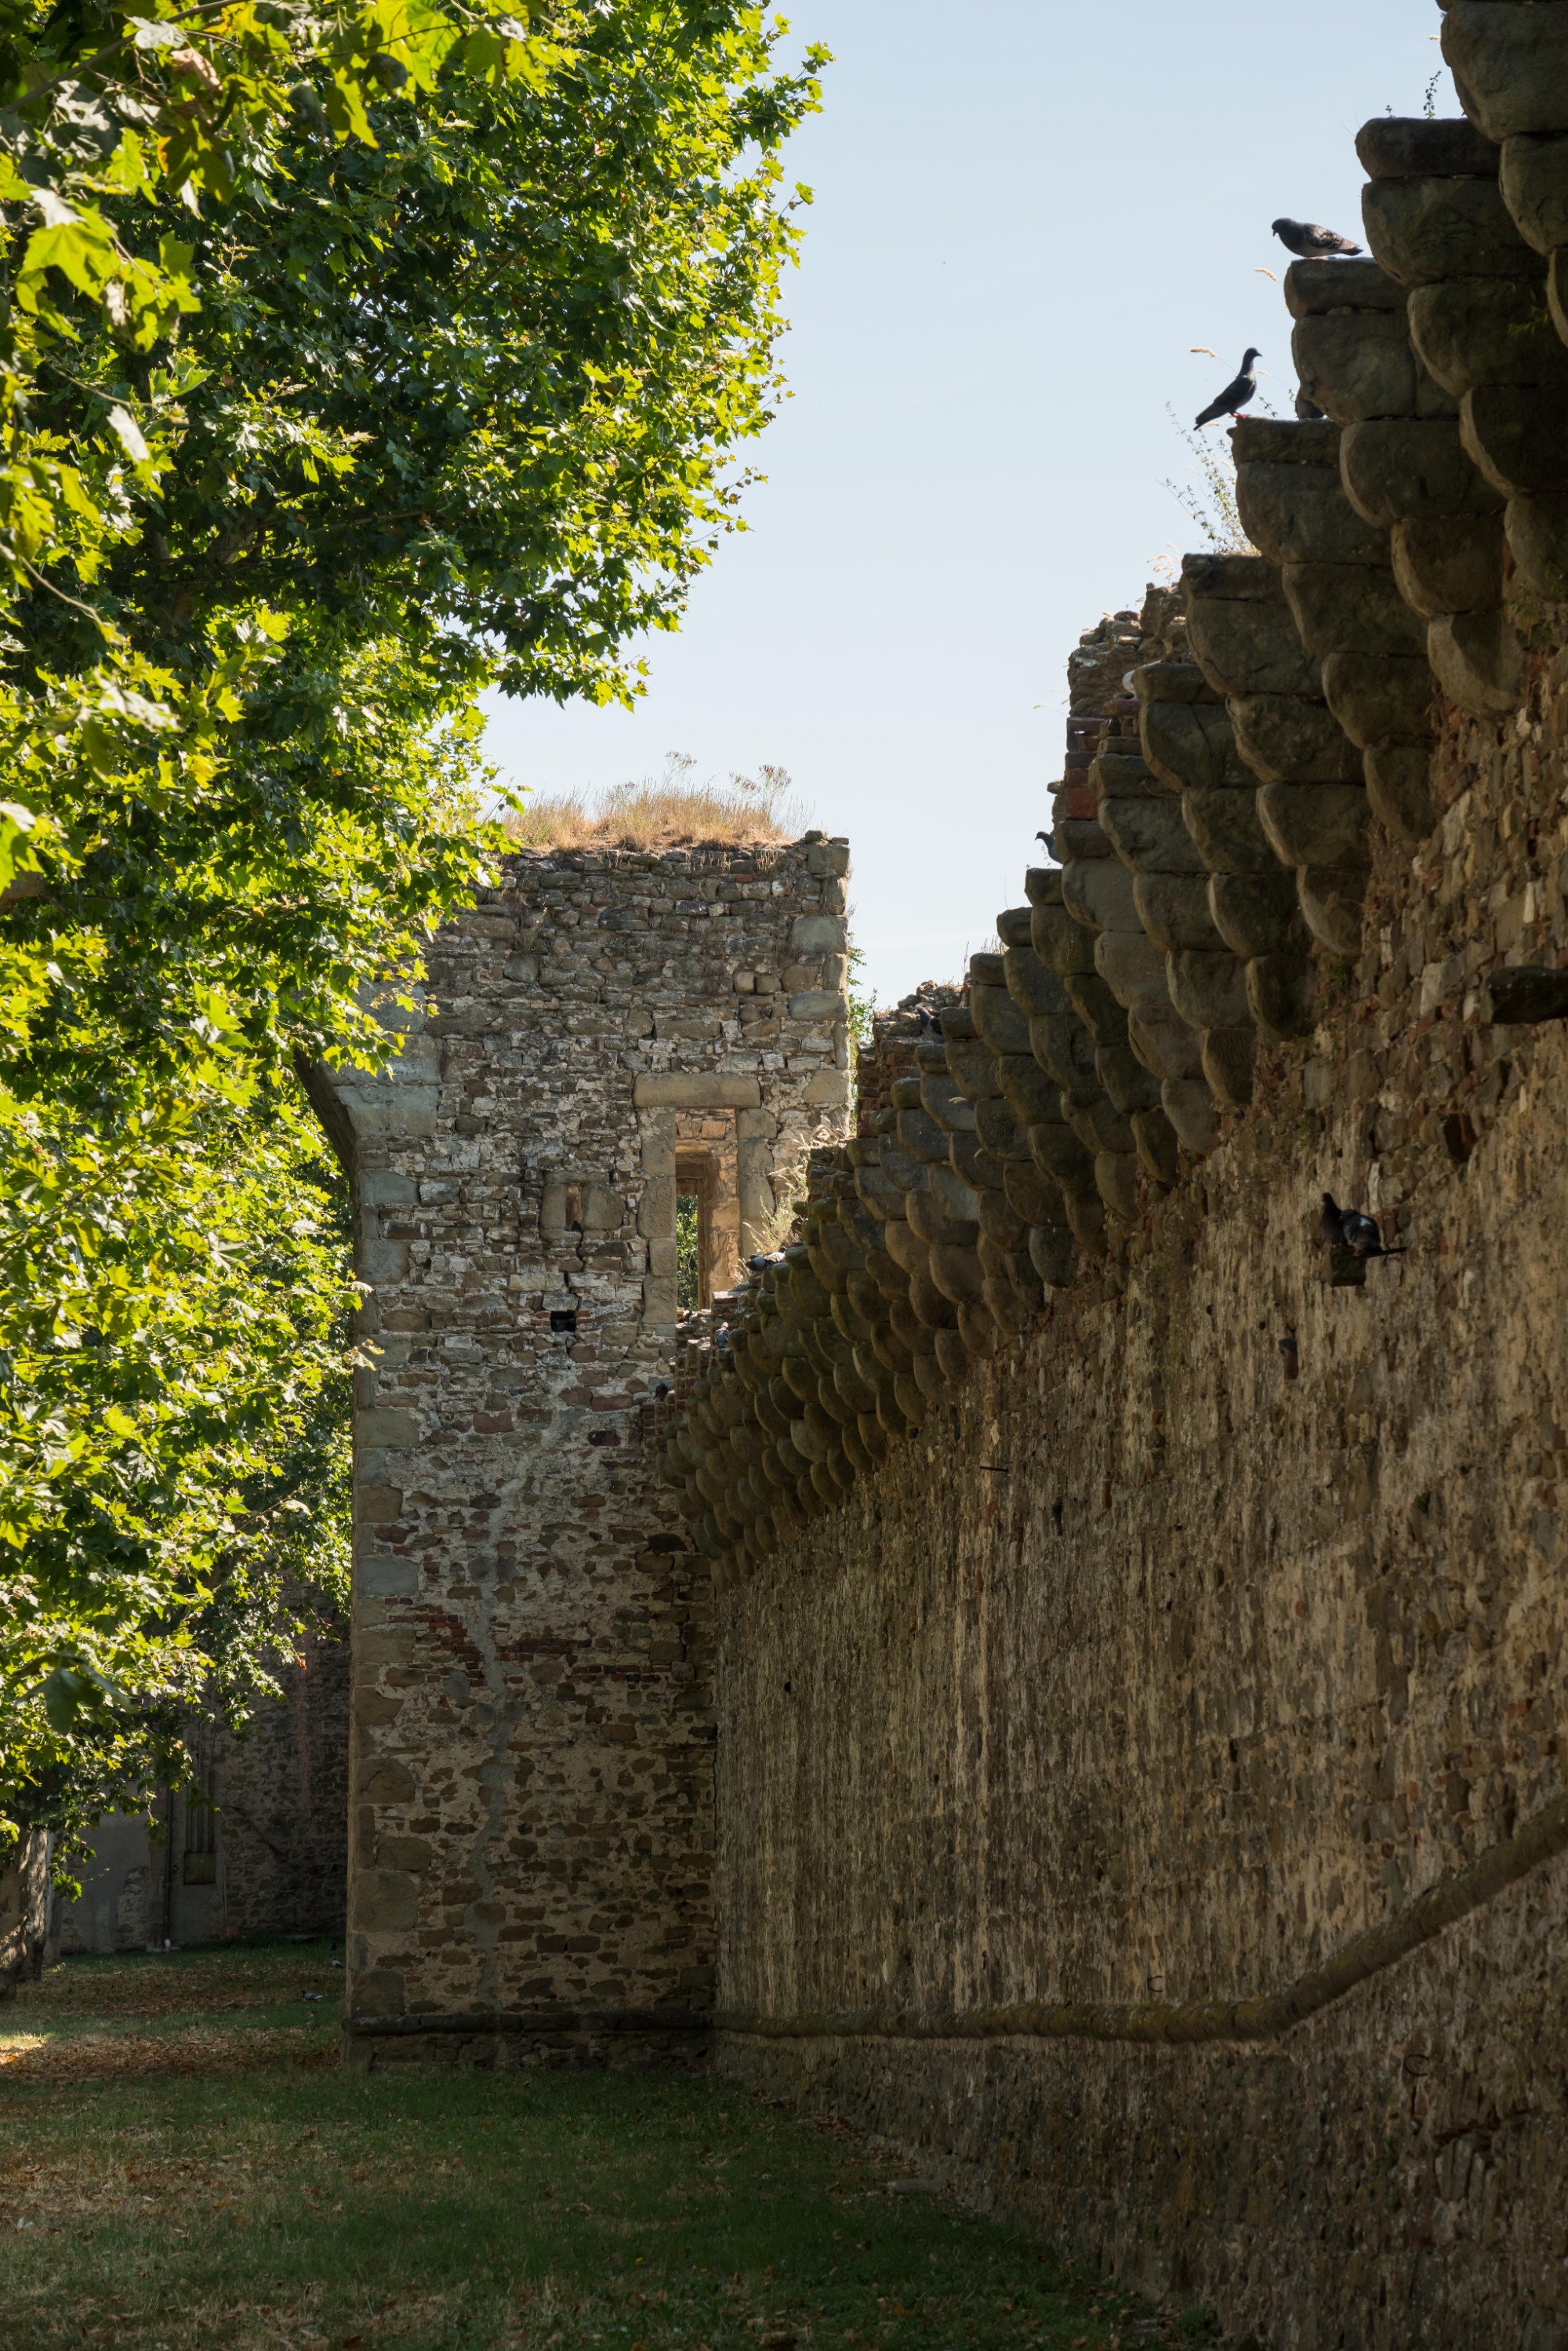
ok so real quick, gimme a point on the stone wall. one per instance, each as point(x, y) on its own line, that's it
point(1140, 1632)
point(1080, 1776)
point(259, 1850)
point(531, 1806)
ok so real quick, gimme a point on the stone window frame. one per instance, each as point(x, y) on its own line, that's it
point(658, 1097)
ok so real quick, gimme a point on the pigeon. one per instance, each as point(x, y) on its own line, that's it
point(930, 1026)
point(1049, 844)
point(1235, 396)
point(1307, 411)
point(765, 1258)
point(1310, 242)
point(1349, 1229)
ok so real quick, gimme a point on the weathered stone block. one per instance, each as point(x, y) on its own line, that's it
point(1357, 365)
point(679, 1090)
point(1097, 893)
point(1300, 514)
point(1393, 467)
point(1256, 913)
point(1319, 287)
point(1225, 829)
point(1419, 147)
point(1517, 436)
point(1332, 899)
point(817, 934)
point(1149, 835)
point(1285, 739)
point(1423, 230)
point(1173, 910)
point(1537, 531)
point(384, 1425)
point(1315, 824)
point(1535, 186)
point(1351, 607)
point(1190, 743)
point(1448, 563)
point(1132, 967)
point(1399, 790)
point(1510, 64)
point(1250, 646)
point(1479, 661)
point(1380, 698)
point(1477, 330)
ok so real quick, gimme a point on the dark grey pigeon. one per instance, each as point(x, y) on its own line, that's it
point(1307, 411)
point(1311, 243)
point(1350, 1228)
point(1235, 395)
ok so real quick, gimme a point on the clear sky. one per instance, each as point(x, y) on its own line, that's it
point(1025, 215)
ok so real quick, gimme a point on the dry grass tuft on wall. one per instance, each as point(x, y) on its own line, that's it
point(668, 811)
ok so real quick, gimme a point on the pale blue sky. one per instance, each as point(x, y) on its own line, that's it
point(1025, 215)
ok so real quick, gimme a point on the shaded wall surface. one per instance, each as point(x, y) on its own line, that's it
point(259, 1851)
point(1190, 1644)
point(531, 1798)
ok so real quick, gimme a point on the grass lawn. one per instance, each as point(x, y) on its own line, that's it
point(184, 2164)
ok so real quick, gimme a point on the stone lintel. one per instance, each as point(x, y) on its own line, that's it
point(674, 1090)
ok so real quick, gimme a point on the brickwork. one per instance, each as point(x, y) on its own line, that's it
point(531, 1810)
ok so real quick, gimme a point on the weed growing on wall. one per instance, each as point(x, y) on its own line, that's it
point(1209, 495)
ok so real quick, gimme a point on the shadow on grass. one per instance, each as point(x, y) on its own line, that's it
point(294, 2203)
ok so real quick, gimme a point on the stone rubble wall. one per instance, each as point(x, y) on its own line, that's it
point(1140, 1641)
point(267, 1858)
point(530, 1802)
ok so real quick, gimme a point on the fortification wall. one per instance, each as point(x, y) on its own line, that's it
point(530, 1799)
point(1189, 1641)
point(1140, 1632)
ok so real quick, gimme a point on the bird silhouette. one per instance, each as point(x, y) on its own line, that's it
point(1307, 411)
point(1308, 242)
point(1235, 395)
point(930, 1026)
point(1350, 1228)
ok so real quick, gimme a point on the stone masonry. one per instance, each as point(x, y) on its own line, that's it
point(531, 1767)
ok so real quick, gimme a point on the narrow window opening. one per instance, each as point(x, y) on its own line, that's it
point(201, 1861)
point(563, 1317)
point(574, 1207)
point(688, 1251)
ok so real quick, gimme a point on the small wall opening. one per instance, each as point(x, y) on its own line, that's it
point(696, 1184)
point(688, 1251)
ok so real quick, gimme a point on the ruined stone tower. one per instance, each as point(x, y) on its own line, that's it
point(531, 1785)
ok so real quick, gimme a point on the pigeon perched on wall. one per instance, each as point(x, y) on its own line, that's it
point(1350, 1228)
point(765, 1258)
point(1311, 243)
point(930, 1026)
point(1307, 411)
point(1235, 395)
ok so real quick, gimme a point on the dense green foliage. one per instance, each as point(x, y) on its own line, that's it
point(351, 360)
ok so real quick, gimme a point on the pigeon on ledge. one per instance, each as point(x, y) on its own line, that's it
point(1235, 396)
point(1307, 411)
point(1308, 242)
point(1349, 1229)
point(765, 1258)
point(930, 1026)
